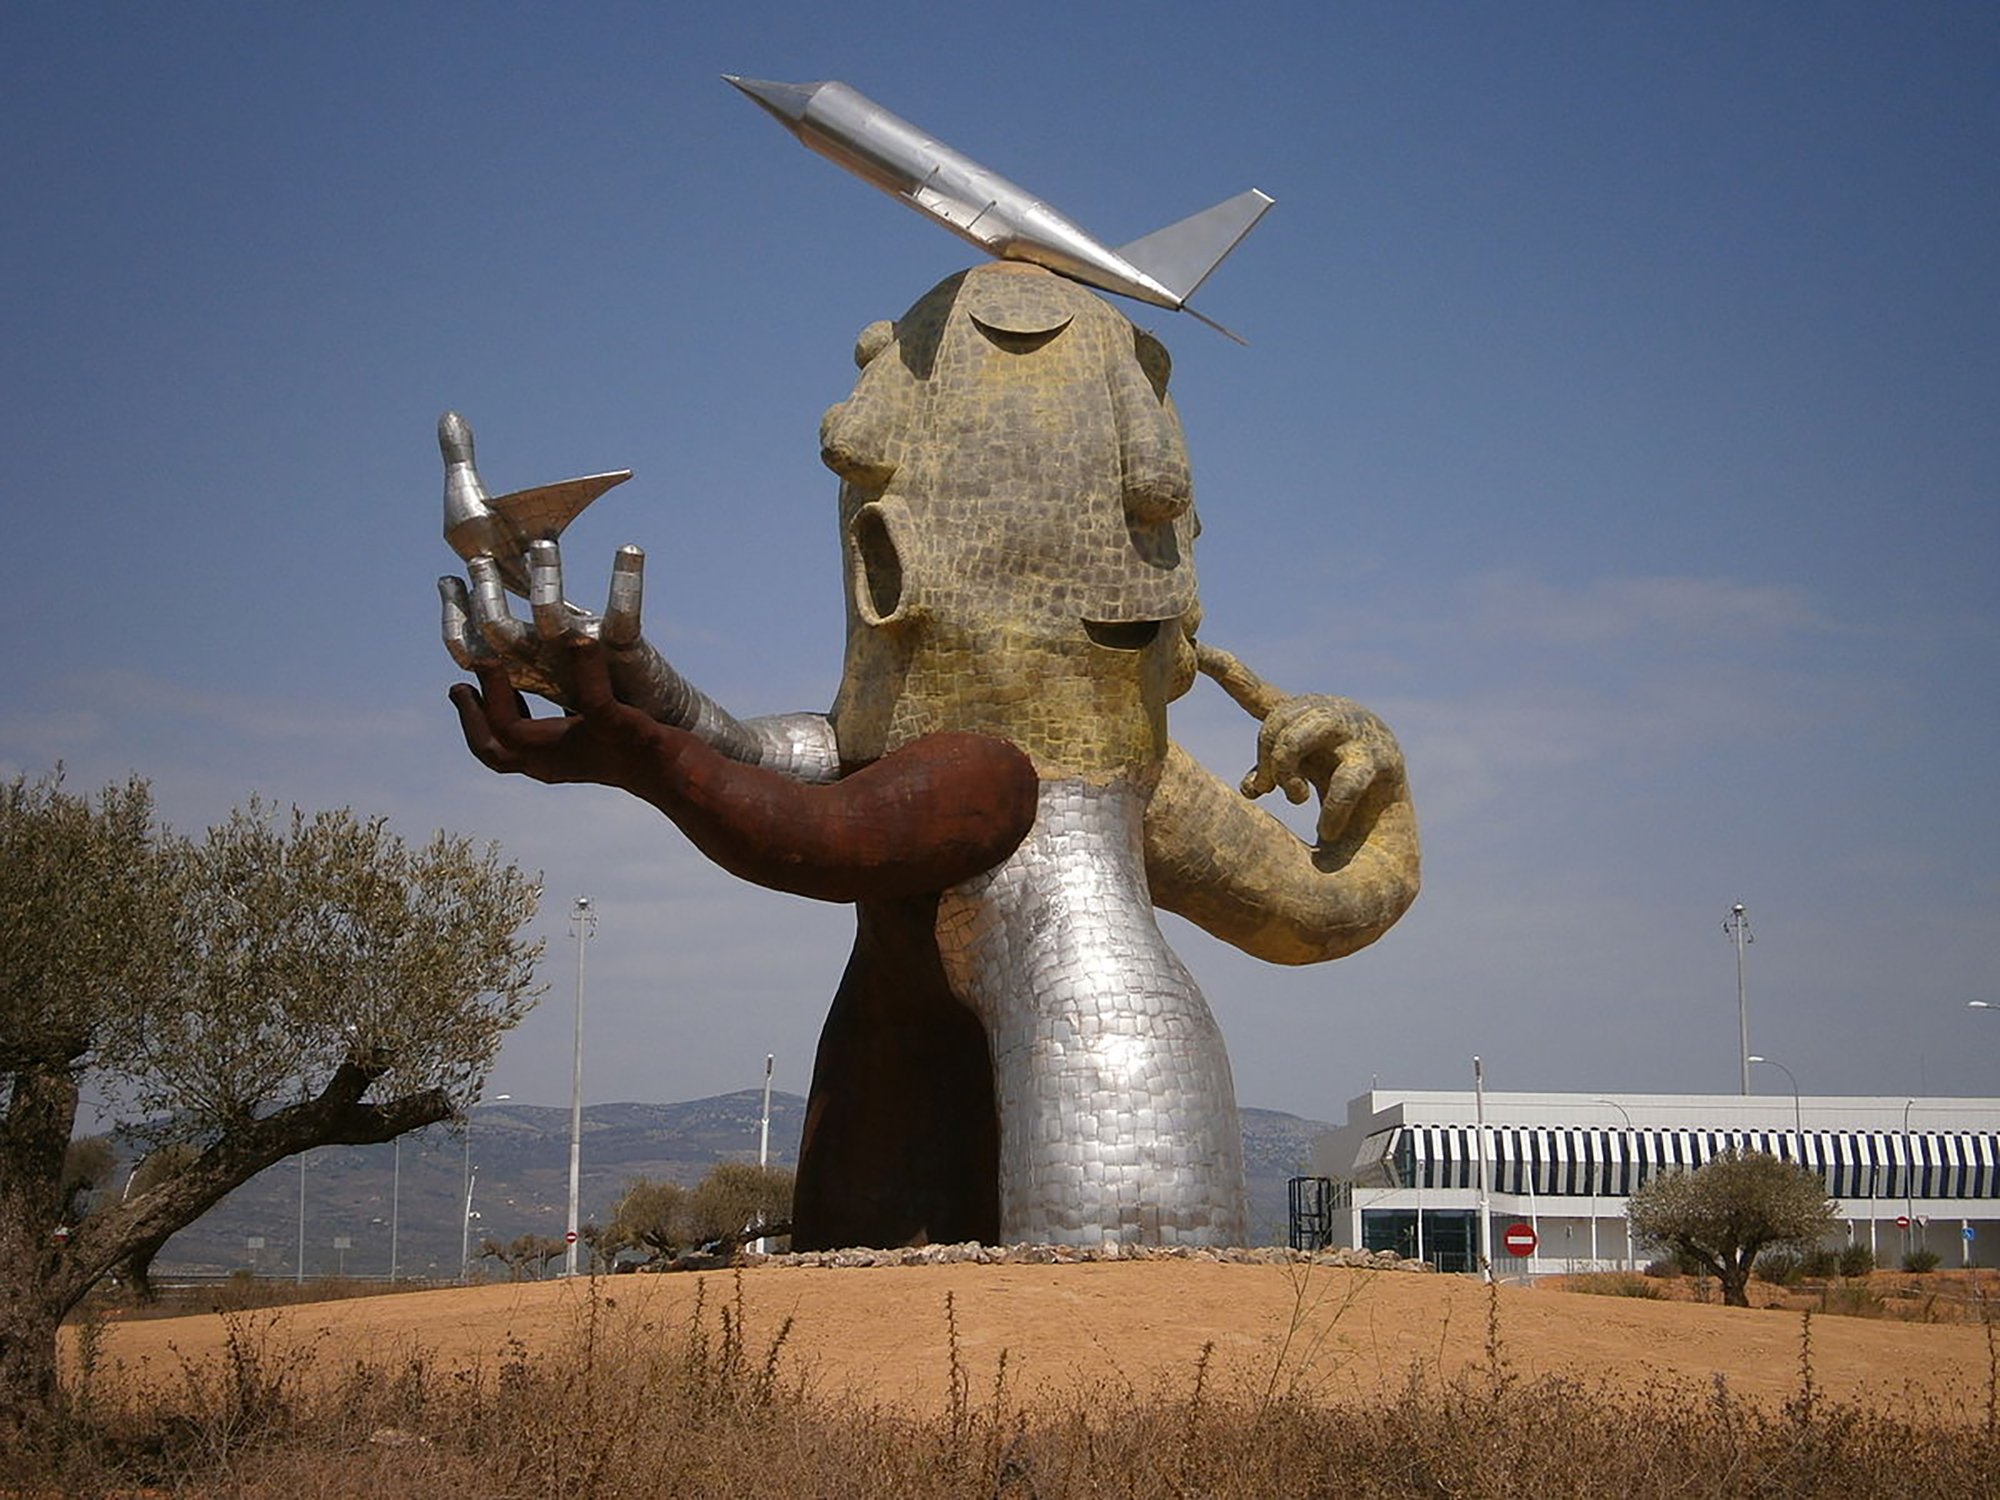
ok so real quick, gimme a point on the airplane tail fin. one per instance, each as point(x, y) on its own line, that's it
point(1180, 256)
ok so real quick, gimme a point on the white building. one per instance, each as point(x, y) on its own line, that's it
point(1906, 1173)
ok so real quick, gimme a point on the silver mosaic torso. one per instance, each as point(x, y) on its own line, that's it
point(1117, 1111)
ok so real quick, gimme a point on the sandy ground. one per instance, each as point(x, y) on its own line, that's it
point(1069, 1329)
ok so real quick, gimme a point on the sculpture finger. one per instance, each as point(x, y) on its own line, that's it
point(1282, 746)
point(490, 613)
point(1252, 693)
point(466, 645)
point(1344, 791)
point(590, 680)
point(628, 593)
point(504, 709)
point(545, 591)
point(478, 729)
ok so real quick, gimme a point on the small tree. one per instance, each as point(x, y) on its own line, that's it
point(524, 1253)
point(1722, 1215)
point(280, 984)
point(649, 1216)
point(736, 1201)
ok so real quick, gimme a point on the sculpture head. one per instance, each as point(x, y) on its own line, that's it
point(1017, 523)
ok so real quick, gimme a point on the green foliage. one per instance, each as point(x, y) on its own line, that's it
point(1782, 1266)
point(734, 1197)
point(650, 1216)
point(1856, 1260)
point(87, 1164)
point(664, 1219)
point(524, 1254)
point(1921, 1261)
point(282, 982)
point(84, 919)
point(1819, 1262)
point(1725, 1214)
point(1613, 1284)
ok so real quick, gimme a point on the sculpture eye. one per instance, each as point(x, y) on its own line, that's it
point(1017, 340)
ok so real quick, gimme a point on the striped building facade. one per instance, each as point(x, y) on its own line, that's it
point(1906, 1173)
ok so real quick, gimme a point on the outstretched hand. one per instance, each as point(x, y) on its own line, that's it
point(602, 741)
point(480, 629)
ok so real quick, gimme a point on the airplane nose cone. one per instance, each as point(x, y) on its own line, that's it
point(784, 102)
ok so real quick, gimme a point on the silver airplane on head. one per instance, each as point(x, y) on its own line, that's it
point(978, 204)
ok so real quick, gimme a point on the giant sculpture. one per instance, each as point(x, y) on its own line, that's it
point(1014, 1053)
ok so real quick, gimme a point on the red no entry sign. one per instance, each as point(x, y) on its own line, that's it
point(570, 1238)
point(1902, 1221)
point(1519, 1239)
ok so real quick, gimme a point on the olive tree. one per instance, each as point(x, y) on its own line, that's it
point(739, 1201)
point(649, 1215)
point(284, 982)
point(1722, 1215)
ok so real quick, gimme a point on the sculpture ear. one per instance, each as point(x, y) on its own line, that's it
point(1158, 487)
point(1154, 360)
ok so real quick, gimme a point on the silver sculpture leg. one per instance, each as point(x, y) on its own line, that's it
point(1117, 1112)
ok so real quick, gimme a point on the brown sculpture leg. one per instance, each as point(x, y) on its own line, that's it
point(901, 1139)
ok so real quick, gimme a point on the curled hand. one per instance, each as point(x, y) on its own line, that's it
point(1312, 742)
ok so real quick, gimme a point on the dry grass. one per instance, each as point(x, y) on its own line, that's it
point(625, 1407)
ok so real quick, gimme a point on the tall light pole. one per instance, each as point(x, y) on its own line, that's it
point(395, 1202)
point(465, 1239)
point(1631, 1150)
point(582, 922)
point(764, 1131)
point(1909, 1179)
point(1485, 1195)
point(1737, 925)
point(1798, 1114)
point(299, 1274)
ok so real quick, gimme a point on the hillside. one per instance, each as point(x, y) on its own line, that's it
point(520, 1157)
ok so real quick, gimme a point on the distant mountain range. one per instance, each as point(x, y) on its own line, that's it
point(519, 1157)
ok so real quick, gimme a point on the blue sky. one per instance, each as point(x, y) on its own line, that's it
point(1619, 421)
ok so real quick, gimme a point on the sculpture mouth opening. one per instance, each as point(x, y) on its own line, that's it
point(1122, 635)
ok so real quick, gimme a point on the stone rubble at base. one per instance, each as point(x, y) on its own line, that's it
point(974, 1253)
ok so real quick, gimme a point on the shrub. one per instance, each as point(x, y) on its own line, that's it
point(1921, 1261)
point(1856, 1260)
point(1820, 1262)
point(1664, 1269)
point(1613, 1284)
point(1782, 1267)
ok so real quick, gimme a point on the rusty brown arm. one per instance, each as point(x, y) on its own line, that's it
point(932, 814)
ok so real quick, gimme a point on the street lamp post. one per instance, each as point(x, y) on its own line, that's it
point(1909, 1178)
point(465, 1239)
point(764, 1134)
point(395, 1202)
point(1485, 1197)
point(1798, 1122)
point(1631, 1146)
point(299, 1272)
point(1737, 925)
point(582, 922)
